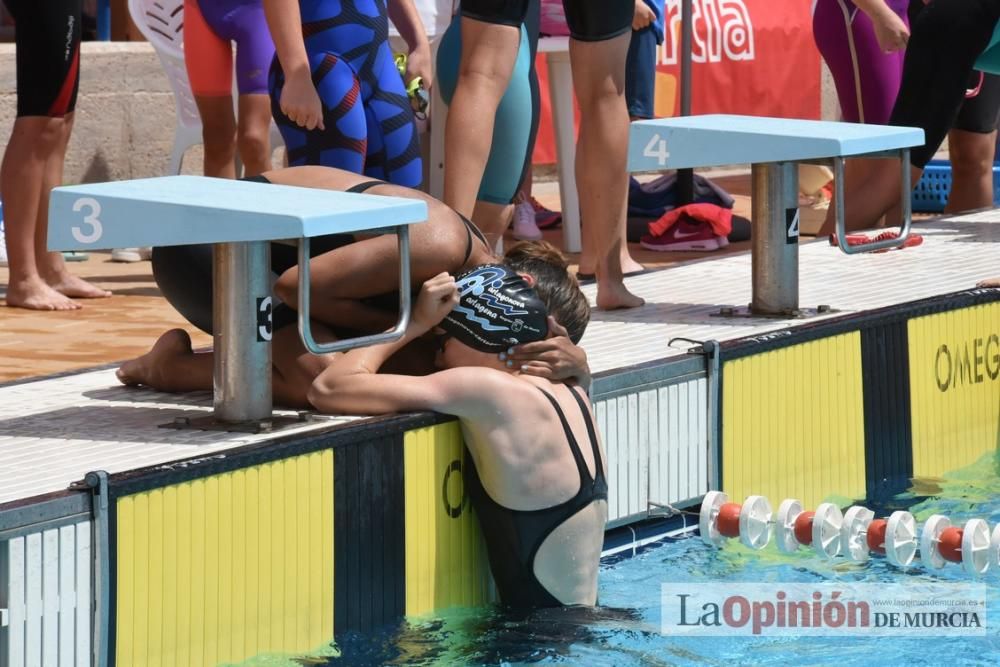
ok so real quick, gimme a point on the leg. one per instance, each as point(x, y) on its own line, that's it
point(253, 133)
point(488, 56)
point(172, 366)
point(254, 53)
point(492, 219)
point(971, 169)
point(50, 264)
point(971, 147)
point(946, 40)
point(393, 153)
point(218, 134)
point(871, 191)
point(48, 69)
point(602, 147)
point(342, 277)
point(343, 144)
point(508, 153)
point(511, 135)
point(208, 58)
point(33, 142)
point(866, 79)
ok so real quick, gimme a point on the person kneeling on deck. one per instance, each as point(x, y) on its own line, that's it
point(536, 476)
point(354, 290)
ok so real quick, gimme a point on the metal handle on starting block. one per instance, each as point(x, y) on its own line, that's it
point(906, 202)
point(305, 328)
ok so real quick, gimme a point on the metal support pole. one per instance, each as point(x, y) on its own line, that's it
point(775, 256)
point(242, 308)
point(685, 177)
point(713, 377)
point(98, 483)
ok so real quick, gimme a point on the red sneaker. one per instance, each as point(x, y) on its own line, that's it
point(853, 240)
point(683, 235)
point(545, 218)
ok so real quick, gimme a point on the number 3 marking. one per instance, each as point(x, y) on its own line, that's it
point(89, 219)
point(657, 148)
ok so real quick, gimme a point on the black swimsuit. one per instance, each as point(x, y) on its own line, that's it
point(513, 537)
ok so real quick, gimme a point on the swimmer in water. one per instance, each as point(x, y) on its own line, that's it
point(535, 470)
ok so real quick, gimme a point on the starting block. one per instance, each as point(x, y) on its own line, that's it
point(773, 147)
point(241, 218)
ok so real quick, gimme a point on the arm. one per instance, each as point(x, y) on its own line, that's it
point(643, 15)
point(890, 30)
point(299, 99)
point(404, 15)
point(555, 358)
point(351, 383)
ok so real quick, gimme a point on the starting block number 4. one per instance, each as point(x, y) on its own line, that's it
point(657, 149)
point(91, 219)
point(792, 222)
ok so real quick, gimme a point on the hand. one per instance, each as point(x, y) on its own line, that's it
point(418, 64)
point(555, 358)
point(643, 15)
point(437, 298)
point(301, 103)
point(890, 31)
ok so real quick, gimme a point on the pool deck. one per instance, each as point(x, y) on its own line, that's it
point(111, 330)
point(54, 430)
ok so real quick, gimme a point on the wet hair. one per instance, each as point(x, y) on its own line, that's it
point(555, 286)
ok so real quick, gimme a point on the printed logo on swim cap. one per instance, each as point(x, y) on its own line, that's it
point(496, 308)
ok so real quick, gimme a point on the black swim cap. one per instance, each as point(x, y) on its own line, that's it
point(496, 308)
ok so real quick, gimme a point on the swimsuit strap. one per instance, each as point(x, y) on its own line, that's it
point(364, 186)
point(581, 463)
point(592, 432)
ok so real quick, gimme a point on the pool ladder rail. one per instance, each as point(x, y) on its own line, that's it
point(855, 533)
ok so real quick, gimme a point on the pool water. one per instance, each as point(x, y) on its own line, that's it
point(626, 631)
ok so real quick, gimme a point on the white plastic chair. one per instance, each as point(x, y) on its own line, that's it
point(162, 23)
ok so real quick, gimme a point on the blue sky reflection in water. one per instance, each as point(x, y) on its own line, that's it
point(626, 632)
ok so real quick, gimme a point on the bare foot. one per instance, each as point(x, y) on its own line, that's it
point(612, 296)
point(989, 282)
point(70, 285)
point(34, 294)
point(149, 368)
point(629, 265)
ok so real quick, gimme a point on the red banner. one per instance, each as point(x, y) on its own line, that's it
point(754, 57)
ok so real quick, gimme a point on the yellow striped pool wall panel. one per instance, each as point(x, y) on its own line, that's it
point(446, 562)
point(955, 386)
point(280, 546)
point(221, 568)
point(793, 421)
point(217, 560)
point(857, 407)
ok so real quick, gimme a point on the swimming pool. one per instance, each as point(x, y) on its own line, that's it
point(628, 631)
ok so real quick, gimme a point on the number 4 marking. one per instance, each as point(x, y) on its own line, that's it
point(792, 221)
point(657, 148)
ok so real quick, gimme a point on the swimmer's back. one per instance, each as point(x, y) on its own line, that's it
point(540, 490)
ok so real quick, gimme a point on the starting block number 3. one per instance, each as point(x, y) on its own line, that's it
point(657, 149)
point(91, 219)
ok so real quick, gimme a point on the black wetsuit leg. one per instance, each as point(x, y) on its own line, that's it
point(47, 34)
point(500, 12)
point(598, 20)
point(946, 39)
